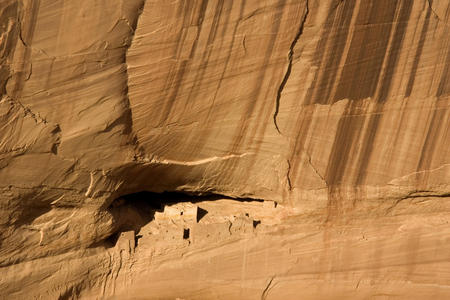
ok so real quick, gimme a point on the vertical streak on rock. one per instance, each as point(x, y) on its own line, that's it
point(9, 36)
point(437, 126)
point(393, 47)
point(345, 153)
point(346, 49)
point(129, 117)
point(28, 14)
point(329, 50)
point(444, 85)
point(289, 68)
point(229, 50)
point(200, 76)
point(182, 69)
point(418, 54)
point(245, 132)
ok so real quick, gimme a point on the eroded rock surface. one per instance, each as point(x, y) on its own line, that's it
point(334, 112)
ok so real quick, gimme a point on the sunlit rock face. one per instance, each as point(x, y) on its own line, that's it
point(337, 110)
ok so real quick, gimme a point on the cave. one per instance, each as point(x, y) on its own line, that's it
point(133, 211)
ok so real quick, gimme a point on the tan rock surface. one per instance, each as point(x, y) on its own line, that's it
point(337, 110)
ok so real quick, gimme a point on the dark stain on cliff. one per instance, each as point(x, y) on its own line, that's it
point(423, 35)
point(399, 29)
point(26, 26)
point(370, 48)
point(444, 84)
point(9, 30)
point(334, 37)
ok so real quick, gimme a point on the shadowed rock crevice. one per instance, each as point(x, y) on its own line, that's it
point(289, 67)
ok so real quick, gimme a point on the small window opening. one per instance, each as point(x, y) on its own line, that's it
point(256, 223)
point(186, 232)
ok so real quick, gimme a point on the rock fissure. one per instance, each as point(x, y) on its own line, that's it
point(288, 174)
point(19, 29)
point(26, 45)
point(36, 116)
point(267, 288)
point(289, 67)
point(425, 194)
point(430, 6)
point(415, 195)
point(315, 170)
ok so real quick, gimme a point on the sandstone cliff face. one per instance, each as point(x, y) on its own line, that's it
point(338, 110)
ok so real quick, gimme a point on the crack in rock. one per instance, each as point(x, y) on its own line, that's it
point(36, 116)
point(289, 68)
point(315, 170)
point(25, 44)
point(267, 288)
point(430, 5)
point(416, 194)
point(288, 174)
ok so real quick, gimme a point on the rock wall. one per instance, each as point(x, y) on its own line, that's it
point(333, 108)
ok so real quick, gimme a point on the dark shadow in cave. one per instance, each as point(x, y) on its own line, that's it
point(158, 200)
